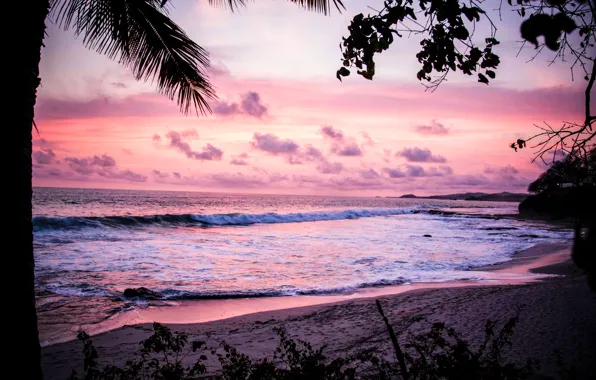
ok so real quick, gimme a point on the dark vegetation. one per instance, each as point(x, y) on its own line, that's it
point(440, 353)
point(566, 189)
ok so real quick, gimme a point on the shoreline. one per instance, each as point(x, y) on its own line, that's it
point(516, 271)
point(557, 311)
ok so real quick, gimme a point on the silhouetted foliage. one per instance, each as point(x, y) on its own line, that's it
point(578, 171)
point(440, 353)
point(161, 358)
point(447, 27)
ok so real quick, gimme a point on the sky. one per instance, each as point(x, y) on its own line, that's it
point(284, 124)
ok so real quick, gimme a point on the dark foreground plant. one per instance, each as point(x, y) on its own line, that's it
point(440, 353)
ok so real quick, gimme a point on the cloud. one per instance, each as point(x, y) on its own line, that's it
point(434, 128)
point(119, 85)
point(545, 103)
point(250, 104)
point(503, 170)
point(43, 143)
point(369, 174)
point(394, 173)
point(240, 159)
point(350, 150)
point(190, 134)
point(368, 141)
point(127, 151)
point(47, 172)
point(313, 154)
point(103, 166)
point(44, 156)
point(330, 167)
point(343, 146)
point(419, 171)
point(222, 180)
point(240, 180)
point(209, 153)
point(123, 174)
point(104, 161)
point(332, 133)
point(469, 180)
point(177, 142)
point(272, 144)
point(416, 171)
point(294, 154)
point(419, 155)
point(226, 109)
point(91, 165)
point(160, 175)
point(218, 69)
point(342, 183)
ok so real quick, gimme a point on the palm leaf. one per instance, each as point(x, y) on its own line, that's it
point(141, 36)
point(321, 6)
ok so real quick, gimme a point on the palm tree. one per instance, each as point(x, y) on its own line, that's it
point(137, 33)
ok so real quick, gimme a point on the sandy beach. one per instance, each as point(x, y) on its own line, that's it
point(556, 313)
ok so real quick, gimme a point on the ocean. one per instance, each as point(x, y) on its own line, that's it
point(90, 245)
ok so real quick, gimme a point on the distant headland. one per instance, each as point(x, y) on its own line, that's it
point(496, 197)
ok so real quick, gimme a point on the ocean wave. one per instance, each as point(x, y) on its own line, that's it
point(186, 295)
point(281, 292)
point(41, 223)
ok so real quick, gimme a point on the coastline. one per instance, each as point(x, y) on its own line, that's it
point(348, 322)
point(517, 270)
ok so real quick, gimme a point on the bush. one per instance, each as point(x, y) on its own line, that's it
point(440, 353)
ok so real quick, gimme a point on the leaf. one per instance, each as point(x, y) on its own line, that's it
point(491, 74)
point(521, 143)
point(342, 72)
point(197, 344)
point(482, 78)
point(141, 36)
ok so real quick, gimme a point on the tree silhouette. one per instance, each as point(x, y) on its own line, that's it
point(137, 33)
point(565, 27)
point(572, 170)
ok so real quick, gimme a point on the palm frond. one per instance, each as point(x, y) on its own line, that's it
point(141, 36)
point(231, 4)
point(321, 6)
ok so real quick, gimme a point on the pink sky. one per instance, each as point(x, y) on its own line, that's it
point(284, 124)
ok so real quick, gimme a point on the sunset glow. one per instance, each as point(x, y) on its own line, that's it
point(284, 124)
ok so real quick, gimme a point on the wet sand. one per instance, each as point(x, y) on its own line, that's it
point(557, 312)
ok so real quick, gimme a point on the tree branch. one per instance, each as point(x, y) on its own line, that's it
point(589, 117)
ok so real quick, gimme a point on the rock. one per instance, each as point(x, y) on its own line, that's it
point(427, 235)
point(141, 292)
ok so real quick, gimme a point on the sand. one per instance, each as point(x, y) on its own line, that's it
point(557, 313)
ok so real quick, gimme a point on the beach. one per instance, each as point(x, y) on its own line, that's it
point(556, 313)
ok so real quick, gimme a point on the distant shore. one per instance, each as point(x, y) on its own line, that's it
point(555, 312)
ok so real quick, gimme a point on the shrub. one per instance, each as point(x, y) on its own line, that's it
point(440, 353)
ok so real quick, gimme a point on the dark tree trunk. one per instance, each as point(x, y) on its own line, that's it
point(24, 32)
